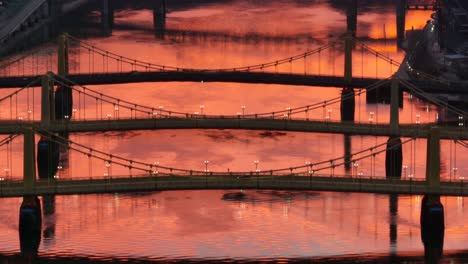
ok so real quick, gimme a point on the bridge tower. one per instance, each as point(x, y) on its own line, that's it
point(351, 17)
point(348, 103)
point(107, 17)
point(394, 152)
point(401, 20)
point(159, 18)
point(47, 100)
point(62, 59)
point(433, 161)
point(29, 167)
point(63, 95)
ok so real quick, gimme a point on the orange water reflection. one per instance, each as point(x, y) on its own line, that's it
point(198, 223)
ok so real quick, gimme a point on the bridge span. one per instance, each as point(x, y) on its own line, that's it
point(343, 127)
point(227, 181)
point(430, 86)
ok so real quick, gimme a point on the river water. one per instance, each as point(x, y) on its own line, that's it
point(262, 225)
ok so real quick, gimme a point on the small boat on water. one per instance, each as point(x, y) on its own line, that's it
point(234, 196)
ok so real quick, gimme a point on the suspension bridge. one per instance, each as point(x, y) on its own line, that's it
point(61, 113)
point(87, 64)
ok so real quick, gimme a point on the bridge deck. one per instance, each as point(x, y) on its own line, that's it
point(235, 77)
point(152, 183)
point(415, 131)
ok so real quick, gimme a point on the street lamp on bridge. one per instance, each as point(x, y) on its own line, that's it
point(371, 117)
point(256, 164)
point(355, 167)
point(206, 162)
point(243, 109)
point(201, 109)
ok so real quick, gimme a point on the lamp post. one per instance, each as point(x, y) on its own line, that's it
point(206, 162)
point(455, 169)
point(160, 110)
point(201, 109)
point(243, 109)
point(371, 117)
point(108, 164)
point(308, 164)
point(289, 111)
point(256, 164)
point(355, 166)
point(460, 121)
point(418, 116)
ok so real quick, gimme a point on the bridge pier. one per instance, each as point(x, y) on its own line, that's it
point(401, 20)
point(393, 158)
point(432, 228)
point(63, 100)
point(159, 18)
point(348, 104)
point(29, 228)
point(107, 17)
point(347, 150)
point(48, 156)
point(351, 17)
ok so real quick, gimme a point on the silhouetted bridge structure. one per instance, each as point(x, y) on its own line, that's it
point(236, 77)
point(230, 181)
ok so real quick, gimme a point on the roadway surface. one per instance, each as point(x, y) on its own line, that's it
point(410, 131)
point(226, 181)
point(233, 77)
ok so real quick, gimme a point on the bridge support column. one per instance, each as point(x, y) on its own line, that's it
point(433, 161)
point(401, 20)
point(348, 103)
point(29, 168)
point(351, 17)
point(107, 17)
point(394, 105)
point(47, 100)
point(159, 18)
point(432, 227)
point(62, 60)
point(347, 153)
point(347, 95)
point(30, 224)
point(393, 158)
point(348, 65)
